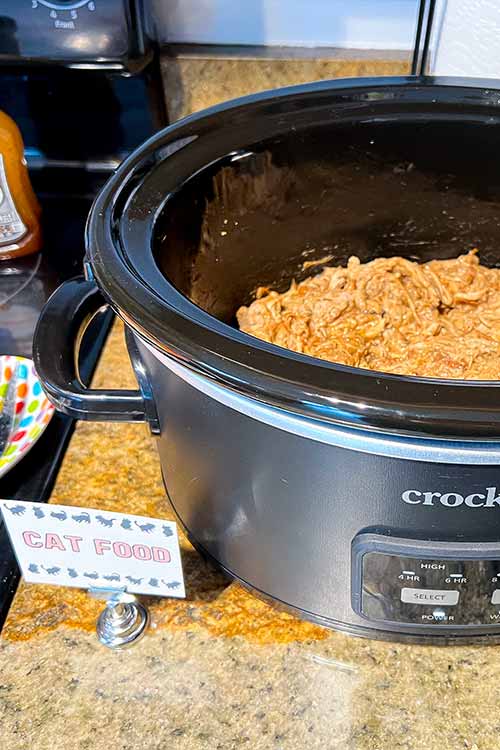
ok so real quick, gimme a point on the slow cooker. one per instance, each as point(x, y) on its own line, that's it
point(363, 501)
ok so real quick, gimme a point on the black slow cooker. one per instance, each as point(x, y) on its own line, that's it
point(363, 501)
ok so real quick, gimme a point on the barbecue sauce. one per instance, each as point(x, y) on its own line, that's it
point(20, 232)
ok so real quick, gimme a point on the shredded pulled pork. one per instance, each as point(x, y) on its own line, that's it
point(437, 319)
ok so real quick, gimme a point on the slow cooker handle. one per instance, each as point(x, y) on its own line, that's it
point(58, 334)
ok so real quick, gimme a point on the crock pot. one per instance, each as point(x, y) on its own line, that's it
point(360, 500)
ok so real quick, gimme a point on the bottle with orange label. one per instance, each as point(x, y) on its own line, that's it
point(20, 232)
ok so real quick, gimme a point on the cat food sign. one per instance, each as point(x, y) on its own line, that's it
point(88, 548)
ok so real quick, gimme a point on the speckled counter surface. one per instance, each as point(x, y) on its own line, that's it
point(220, 670)
point(195, 82)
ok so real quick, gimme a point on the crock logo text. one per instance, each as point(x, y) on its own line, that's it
point(453, 499)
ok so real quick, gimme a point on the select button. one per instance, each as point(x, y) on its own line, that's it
point(429, 596)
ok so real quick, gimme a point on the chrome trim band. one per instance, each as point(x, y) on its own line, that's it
point(392, 446)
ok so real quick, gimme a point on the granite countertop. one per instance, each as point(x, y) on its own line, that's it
point(220, 670)
point(195, 81)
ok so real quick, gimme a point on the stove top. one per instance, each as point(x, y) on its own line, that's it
point(25, 285)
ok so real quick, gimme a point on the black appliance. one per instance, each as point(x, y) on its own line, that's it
point(362, 500)
point(82, 80)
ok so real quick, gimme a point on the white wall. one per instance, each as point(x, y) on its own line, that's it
point(467, 38)
point(358, 24)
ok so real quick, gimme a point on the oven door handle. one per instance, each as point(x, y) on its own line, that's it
point(58, 335)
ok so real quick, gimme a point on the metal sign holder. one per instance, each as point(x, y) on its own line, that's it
point(123, 621)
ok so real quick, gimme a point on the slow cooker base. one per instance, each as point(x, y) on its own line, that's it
point(445, 639)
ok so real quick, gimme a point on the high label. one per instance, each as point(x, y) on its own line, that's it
point(87, 548)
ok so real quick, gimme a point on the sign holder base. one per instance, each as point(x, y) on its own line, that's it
point(123, 621)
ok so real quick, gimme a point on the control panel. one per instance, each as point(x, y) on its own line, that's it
point(98, 32)
point(415, 583)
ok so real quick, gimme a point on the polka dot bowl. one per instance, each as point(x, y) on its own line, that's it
point(32, 410)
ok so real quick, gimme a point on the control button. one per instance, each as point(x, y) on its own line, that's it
point(430, 596)
point(495, 597)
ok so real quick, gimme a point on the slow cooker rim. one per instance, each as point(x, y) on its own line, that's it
point(254, 367)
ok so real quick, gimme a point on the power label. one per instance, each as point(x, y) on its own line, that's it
point(86, 548)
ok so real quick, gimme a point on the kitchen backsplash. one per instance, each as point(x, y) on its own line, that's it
point(195, 81)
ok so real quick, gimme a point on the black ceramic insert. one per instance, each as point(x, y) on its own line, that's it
point(243, 194)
